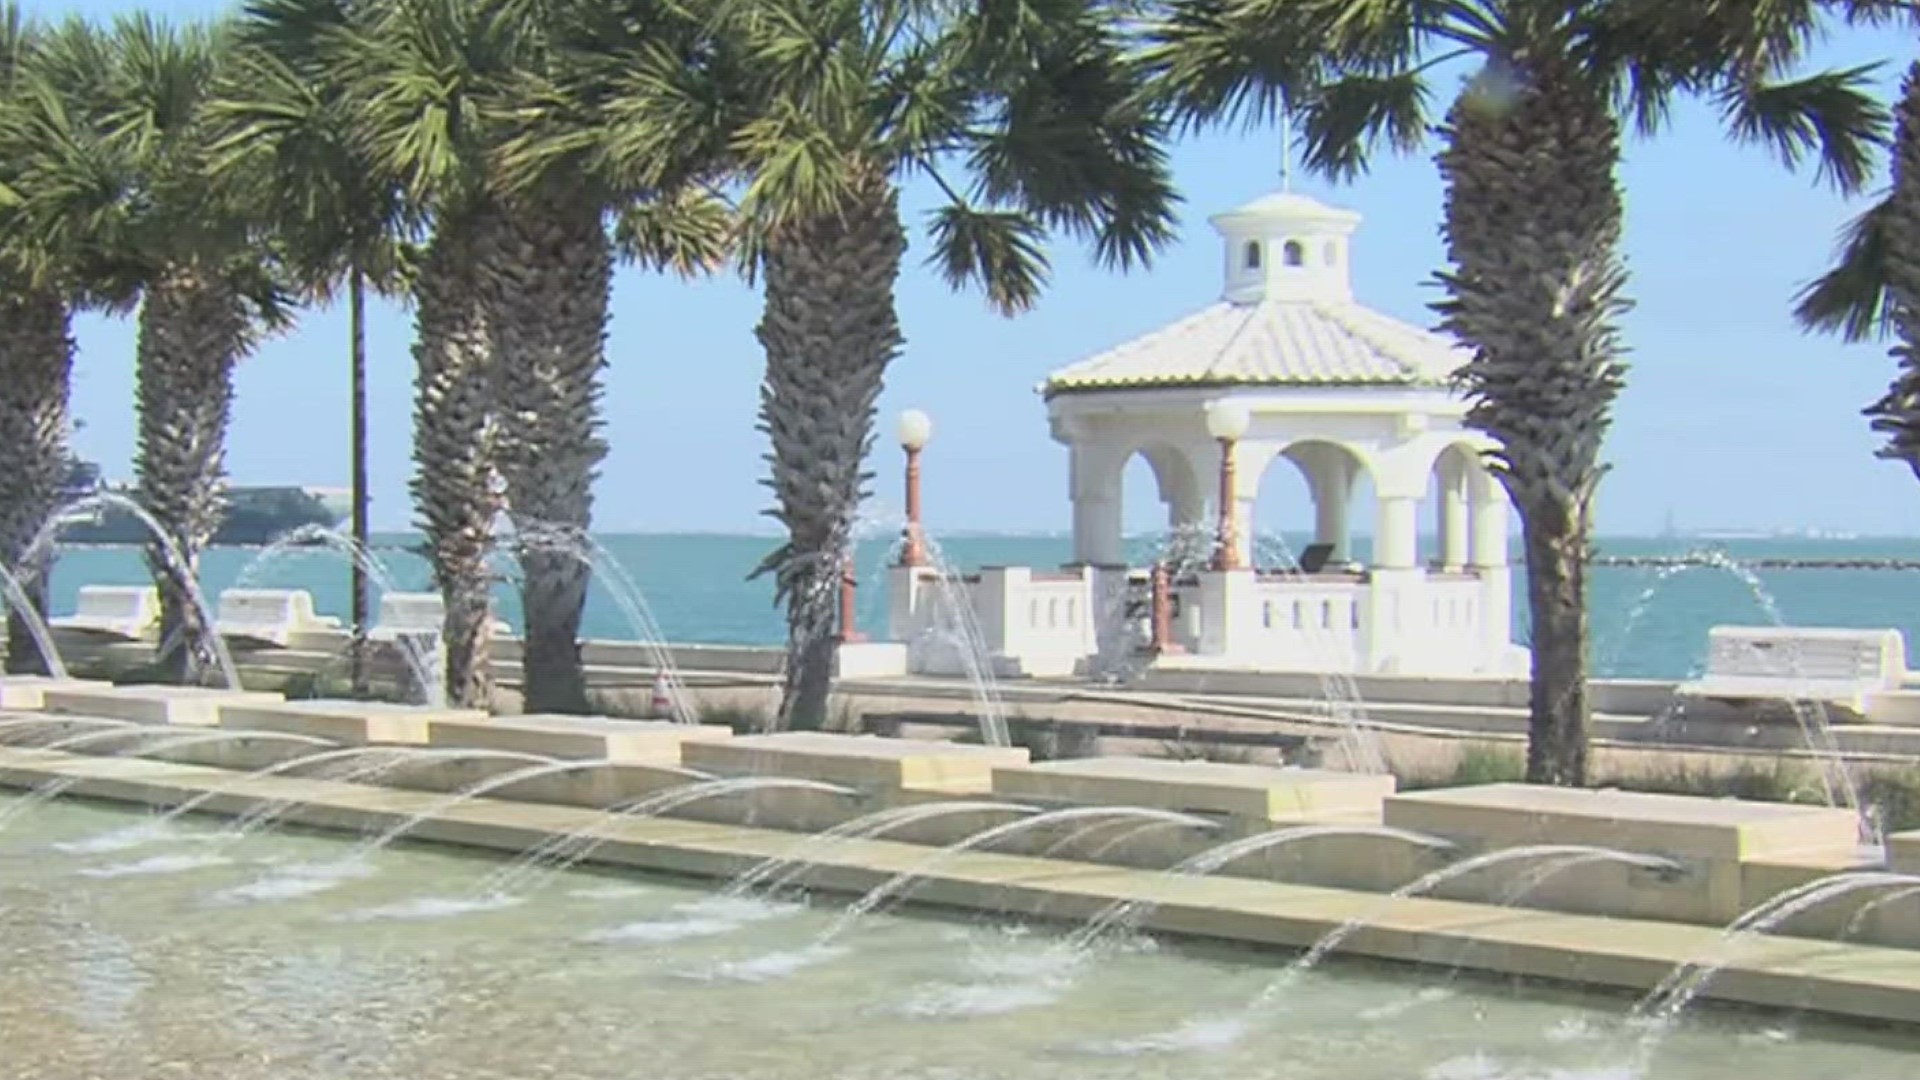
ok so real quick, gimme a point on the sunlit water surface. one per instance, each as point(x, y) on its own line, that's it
point(150, 962)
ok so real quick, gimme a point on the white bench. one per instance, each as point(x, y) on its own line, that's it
point(274, 616)
point(128, 611)
point(416, 614)
point(1789, 664)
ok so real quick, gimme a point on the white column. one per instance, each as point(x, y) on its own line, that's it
point(1331, 495)
point(1453, 523)
point(1489, 509)
point(1395, 534)
point(1096, 530)
point(1489, 560)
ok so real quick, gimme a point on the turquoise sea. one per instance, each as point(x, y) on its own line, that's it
point(698, 590)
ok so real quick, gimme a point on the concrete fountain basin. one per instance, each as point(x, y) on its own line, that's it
point(353, 723)
point(28, 692)
point(653, 742)
point(868, 761)
point(1254, 792)
point(198, 706)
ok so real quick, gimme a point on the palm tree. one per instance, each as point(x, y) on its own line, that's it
point(421, 76)
point(548, 283)
point(1873, 289)
point(286, 126)
point(113, 145)
point(1529, 152)
point(208, 288)
point(38, 288)
point(1025, 117)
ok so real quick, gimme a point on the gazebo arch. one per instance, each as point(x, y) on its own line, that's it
point(1175, 482)
point(1332, 469)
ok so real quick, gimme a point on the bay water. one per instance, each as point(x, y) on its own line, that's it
point(699, 588)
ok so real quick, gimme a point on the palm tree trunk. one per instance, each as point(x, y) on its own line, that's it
point(453, 484)
point(549, 277)
point(1533, 217)
point(357, 333)
point(829, 329)
point(1897, 414)
point(193, 329)
point(36, 353)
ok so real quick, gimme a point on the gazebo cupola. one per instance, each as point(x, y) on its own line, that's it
point(1286, 247)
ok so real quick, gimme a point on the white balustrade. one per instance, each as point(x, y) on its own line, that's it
point(1021, 621)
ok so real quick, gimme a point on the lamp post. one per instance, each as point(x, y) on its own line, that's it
point(849, 584)
point(916, 428)
point(1227, 421)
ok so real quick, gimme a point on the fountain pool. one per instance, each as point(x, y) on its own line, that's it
point(145, 974)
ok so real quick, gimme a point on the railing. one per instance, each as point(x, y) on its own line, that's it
point(1319, 621)
point(1053, 622)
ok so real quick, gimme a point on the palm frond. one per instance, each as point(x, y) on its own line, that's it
point(1852, 298)
point(1075, 145)
point(1208, 61)
point(998, 250)
point(689, 233)
point(1832, 115)
point(799, 171)
point(1343, 120)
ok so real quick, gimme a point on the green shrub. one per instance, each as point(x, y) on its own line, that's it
point(1894, 796)
point(1200, 750)
point(1483, 764)
point(1772, 780)
point(743, 719)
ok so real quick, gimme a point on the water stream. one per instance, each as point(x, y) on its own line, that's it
point(565, 850)
point(74, 512)
point(419, 657)
point(1216, 1030)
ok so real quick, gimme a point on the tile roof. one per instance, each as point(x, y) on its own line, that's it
point(1271, 343)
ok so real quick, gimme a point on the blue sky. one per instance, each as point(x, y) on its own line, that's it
point(1732, 417)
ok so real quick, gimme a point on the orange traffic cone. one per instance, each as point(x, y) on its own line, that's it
point(660, 704)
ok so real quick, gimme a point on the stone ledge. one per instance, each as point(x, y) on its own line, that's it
point(868, 761)
point(1254, 792)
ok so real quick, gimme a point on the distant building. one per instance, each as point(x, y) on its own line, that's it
point(255, 514)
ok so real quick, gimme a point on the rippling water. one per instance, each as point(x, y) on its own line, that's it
point(390, 975)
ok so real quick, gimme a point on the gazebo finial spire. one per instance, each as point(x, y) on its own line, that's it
point(1286, 146)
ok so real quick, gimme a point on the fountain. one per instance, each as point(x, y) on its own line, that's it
point(1339, 691)
point(625, 593)
point(1811, 717)
point(74, 511)
point(959, 626)
point(414, 652)
point(982, 828)
point(566, 849)
point(21, 606)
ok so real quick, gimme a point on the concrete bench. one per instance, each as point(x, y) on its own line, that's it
point(1790, 664)
point(128, 611)
point(274, 616)
point(417, 614)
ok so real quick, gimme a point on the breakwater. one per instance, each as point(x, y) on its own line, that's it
point(1758, 563)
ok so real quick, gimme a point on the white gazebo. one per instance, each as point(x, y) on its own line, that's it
point(1286, 365)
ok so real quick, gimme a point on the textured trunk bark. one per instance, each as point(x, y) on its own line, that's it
point(357, 347)
point(829, 329)
point(1557, 597)
point(1533, 229)
point(1896, 416)
point(549, 273)
point(453, 486)
point(193, 329)
point(36, 357)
